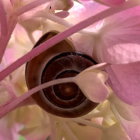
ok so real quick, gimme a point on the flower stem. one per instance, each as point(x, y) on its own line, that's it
point(14, 104)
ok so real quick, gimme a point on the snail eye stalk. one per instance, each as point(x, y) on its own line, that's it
point(60, 61)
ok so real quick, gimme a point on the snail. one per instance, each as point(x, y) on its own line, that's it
point(59, 61)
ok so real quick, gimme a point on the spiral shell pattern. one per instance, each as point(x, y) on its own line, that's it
point(60, 61)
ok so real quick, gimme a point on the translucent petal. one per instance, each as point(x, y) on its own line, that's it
point(7, 132)
point(114, 132)
point(131, 128)
point(126, 111)
point(125, 82)
point(61, 4)
point(84, 132)
point(35, 127)
point(119, 38)
point(79, 12)
point(92, 83)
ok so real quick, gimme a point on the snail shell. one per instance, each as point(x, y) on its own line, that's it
point(60, 61)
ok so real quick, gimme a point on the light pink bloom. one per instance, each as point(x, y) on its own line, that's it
point(113, 38)
point(98, 91)
point(9, 132)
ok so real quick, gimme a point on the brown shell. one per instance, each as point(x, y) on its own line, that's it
point(60, 61)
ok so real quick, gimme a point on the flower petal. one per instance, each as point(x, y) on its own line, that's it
point(131, 128)
point(84, 132)
point(62, 14)
point(34, 127)
point(8, 132)
point(80, 12)
point(114, 132)
point(92, 83)
point(125, 81)
point(61, 36)
point(61, 4)
point(126, 111)
point(119, 38)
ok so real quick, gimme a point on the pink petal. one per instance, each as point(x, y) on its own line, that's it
point(114, 132)
point(10, 55)
point(125, 81)
point(131, 128)
point(4, 40)
point(61, 4)
point(8, 132)
point(82, 11)
point(93, 85)
point(126, 111)
point(120, 42)
point(30, 6)
point(61, 36)
point(38, 132)
point(62, 14)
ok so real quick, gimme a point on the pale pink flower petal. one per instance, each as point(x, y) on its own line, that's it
point(80, 12)
point(95, 79)
point(36, 133)
point(34, 127)
point(92, 83)
point(131, 128)
point(115, 132)
point(7, 93)
point(125, 81)
point(8, 132)
point(62, 14)
point(84, 132)
point(30, 6)
point(61, 36)
point(119, 38)
point(61, 4)
point(128, 112)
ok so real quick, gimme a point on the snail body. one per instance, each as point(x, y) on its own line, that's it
point(59, 61)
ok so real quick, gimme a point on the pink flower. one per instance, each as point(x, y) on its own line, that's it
point(113, 38)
